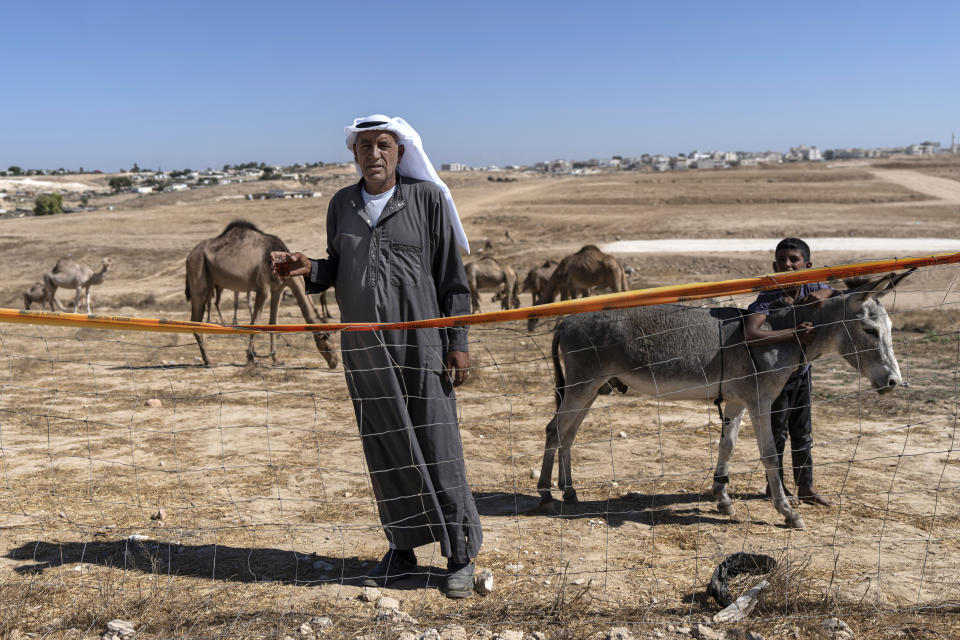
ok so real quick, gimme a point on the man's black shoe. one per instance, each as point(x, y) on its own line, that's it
point(459, 581)
point(397, 564)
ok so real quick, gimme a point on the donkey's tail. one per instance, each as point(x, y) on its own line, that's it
point(557, 369)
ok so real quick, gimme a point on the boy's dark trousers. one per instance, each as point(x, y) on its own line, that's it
point(790, 413)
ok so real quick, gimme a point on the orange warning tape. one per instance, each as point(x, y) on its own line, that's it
point(640, 297)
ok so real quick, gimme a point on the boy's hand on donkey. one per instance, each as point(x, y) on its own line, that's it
point(805, 332)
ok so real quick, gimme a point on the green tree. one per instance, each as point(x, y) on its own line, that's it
point(48, 204)
point(14, 170)
point(135, 168)
point(120, 183)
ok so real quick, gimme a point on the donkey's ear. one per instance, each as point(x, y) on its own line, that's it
point(894, 279)
point(877, 285)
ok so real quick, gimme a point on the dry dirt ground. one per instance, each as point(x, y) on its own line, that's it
point(268, 513)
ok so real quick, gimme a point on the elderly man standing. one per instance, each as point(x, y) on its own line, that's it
point(392, 256)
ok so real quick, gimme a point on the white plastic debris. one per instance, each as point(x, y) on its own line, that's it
point(743, 605)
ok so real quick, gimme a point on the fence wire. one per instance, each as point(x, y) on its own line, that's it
point(234, 501)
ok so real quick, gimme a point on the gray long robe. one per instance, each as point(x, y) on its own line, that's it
point(407, 267)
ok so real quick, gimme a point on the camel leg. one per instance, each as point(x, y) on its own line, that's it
point(77, 297)
point(733, 414)
point(560, 435)
point(760, 417)
point(257, 308)
point(217, 294)
point(276, 297)
point(323, 306)
point(199, 301)
point(86, 294)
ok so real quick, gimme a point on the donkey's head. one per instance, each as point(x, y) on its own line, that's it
point(863, 331)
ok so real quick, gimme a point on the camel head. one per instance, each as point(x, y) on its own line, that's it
point(106, 263)
point(327, 348)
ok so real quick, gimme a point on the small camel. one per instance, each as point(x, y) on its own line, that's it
point(34, 295)
point(580, 272)
point(239, 259)
point(490, 273)
point(75, 275)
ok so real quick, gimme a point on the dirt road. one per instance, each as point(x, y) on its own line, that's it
point(940, 188)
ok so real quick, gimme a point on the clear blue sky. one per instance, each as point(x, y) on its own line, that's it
point(197, 84)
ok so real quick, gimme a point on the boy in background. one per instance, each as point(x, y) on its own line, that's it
point(790, 412)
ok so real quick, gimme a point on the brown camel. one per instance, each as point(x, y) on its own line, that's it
point(34, 295)
point(239, 259)
point(79, 277)
point(580, 272)
point(489, 273)
point(537, 278)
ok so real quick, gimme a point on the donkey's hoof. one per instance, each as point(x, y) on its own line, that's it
point(726, 508)
point(571, 499)
point(795, 522)
point(548, 507)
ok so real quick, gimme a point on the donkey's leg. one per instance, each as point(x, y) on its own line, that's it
point(576, 403)
point(760, 417)
point(560, 434)
point(546, 470)
point(733, 414)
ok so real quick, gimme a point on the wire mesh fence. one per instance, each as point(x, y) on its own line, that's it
point(234, 500)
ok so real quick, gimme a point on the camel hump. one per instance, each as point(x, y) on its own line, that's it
point(63, 264)
point(588, 247)
point(239, 224)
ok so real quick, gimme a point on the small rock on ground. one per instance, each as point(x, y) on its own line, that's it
point(394, 616)
point(429, 634)
point(118, 630)
point(386, 602)
point(153, 402)
point(321, 622)
point(620, 633)
point(483, 582)
point(509, 634)
point(703, 632)
point(453, 632)
point(369, 594)
point(305, 629)
point(836, 629)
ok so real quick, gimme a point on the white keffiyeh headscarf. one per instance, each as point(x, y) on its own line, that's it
point(414, 162)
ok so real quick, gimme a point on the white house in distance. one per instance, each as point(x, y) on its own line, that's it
point(454, 166)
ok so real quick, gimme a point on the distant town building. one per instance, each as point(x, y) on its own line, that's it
point(924, 149)
point(454, 166)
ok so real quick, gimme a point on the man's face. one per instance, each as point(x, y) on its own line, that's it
point(378, 154)
point(790, 260)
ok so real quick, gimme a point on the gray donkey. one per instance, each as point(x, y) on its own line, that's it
point(691, 353)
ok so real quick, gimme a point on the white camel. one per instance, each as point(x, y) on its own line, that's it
point(73, 275)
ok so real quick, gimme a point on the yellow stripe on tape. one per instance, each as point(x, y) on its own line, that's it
point(640, 297)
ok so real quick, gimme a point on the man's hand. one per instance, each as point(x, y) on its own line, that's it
point(457, 367)
point(816, 298)
point(287, 265)
point(805, 332)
